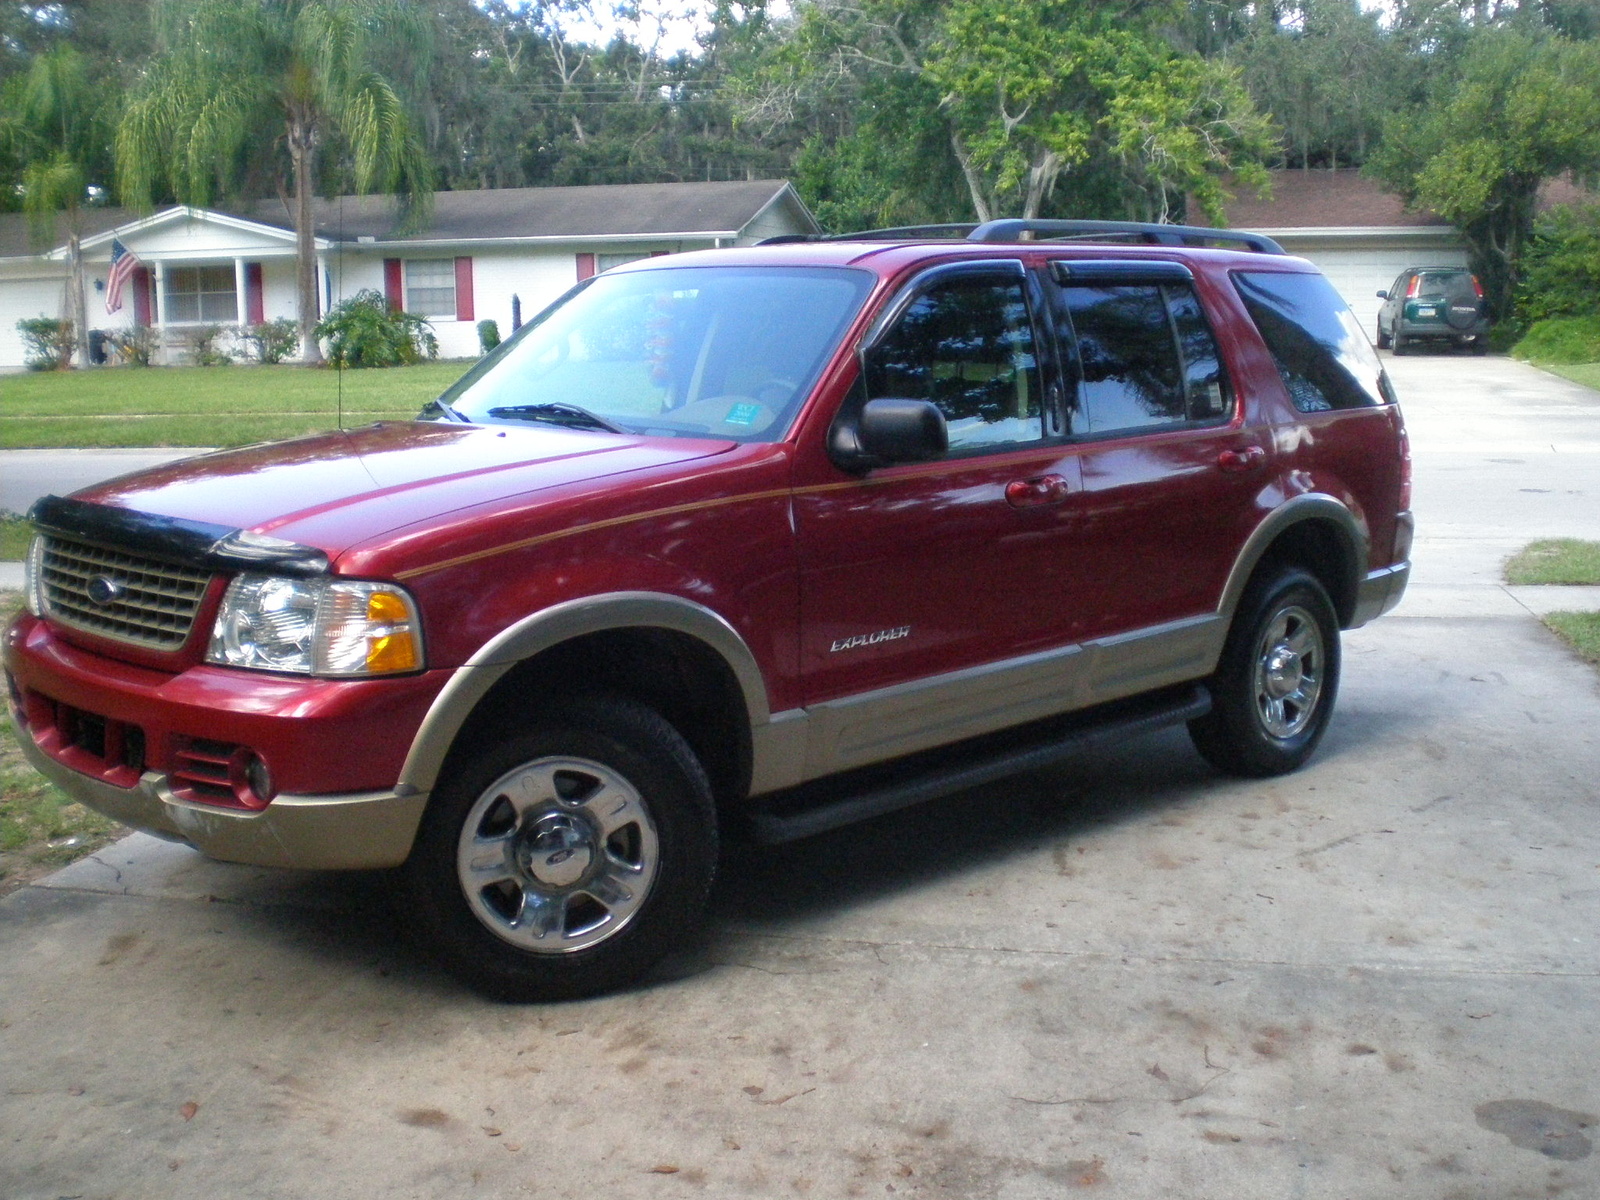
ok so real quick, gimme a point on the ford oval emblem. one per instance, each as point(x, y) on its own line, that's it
point(104, 590)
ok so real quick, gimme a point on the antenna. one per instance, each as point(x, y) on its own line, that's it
point(338, 259)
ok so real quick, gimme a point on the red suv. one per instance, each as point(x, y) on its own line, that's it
point(778, 537)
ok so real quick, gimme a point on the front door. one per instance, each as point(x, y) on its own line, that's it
point(915, 573)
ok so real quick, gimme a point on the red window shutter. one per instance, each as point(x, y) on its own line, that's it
point(143, 284)
point(464, 305)
point(585, 266)
point(393, 285)
point(254, 302)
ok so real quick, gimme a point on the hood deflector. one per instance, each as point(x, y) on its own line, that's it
point(175, 538)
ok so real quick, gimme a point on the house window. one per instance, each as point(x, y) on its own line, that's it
point(201, 295)
point(431, 287)
point(606, 261)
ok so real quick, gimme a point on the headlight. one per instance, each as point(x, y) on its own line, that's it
point(316, 627)
point(33, 577)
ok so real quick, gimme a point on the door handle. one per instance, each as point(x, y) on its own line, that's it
point(1030, 493)
point(1247, 459)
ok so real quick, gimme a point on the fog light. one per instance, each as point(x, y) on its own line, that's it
point(259, 777)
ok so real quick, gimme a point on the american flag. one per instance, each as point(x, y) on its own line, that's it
point(123, 264)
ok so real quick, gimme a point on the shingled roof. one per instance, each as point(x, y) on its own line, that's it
point(1323, 200)
point(1347, 199)
point(665, 210)
point(615, 210)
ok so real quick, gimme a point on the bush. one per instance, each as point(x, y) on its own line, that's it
point(135, 346)
point(1561, 268)
point(363, 332)
point(488, 334)
point(49, 343)
point(201, 343)
point(1561, 340)
point(273, 341)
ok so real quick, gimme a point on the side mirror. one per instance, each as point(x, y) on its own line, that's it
point(1383, 295)
point(890, 431)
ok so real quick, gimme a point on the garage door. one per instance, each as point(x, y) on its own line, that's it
point(19, 300)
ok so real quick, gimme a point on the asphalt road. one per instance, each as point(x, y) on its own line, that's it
point(25, 475)
point(1128, 976)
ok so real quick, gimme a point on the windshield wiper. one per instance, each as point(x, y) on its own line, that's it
point(570, 415)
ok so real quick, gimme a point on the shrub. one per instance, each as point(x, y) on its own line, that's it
point(201, 343)
point(1561, 268)
point(363, 332)
point(1560, 340)
point(49, 343)
point(488, 334)
point(273, 341)
point(135, 346)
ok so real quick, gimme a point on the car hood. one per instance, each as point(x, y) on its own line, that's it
point(334, 490)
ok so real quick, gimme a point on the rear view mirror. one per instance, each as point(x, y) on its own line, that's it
point(1383, 295)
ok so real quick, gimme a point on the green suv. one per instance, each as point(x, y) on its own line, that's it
point(1434, 304)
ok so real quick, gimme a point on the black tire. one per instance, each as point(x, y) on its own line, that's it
point(1384, 340)
point(1274, 689)
point(1401, 344)
point(1480, 346)
point(596, 843)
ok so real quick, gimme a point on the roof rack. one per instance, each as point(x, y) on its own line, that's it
point(1013, 230)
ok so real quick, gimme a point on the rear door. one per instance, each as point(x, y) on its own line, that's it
point(1170, 472)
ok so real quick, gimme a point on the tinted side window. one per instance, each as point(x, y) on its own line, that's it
point(1131, 377)
point(967, 346)
point(1320, 351)
point(1205, 384)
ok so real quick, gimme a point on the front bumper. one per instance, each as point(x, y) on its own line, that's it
point(358, 831)
point(167, 752)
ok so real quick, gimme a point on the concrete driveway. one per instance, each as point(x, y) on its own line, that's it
point(1128, 977)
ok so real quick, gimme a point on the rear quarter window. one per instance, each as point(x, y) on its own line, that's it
point(1321, 353)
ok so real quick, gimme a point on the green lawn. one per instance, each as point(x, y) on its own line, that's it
point(1580, 629)
point(206, 406)
point(1587, 374)
point(15, 534)
point(1556, 560)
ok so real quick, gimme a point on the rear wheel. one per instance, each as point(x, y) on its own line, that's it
point(1383, 338)
point(567, 857)
point(1401, 344)
point(1273, 692)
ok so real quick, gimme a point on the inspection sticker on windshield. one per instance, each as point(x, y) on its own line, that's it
point(742, 414)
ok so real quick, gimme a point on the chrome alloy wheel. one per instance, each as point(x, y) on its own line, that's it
point(1289, 665)
point(557, 855)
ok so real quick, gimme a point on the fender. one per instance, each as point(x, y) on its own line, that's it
point(1310, 506)
point(560, 623)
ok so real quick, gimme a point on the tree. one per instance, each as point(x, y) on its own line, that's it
point(1524, 109)
point(52, 125)
point(246, 94)
point(1027, 93)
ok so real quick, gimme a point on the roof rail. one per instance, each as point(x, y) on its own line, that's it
point(1012, 230)
point(1144, 231)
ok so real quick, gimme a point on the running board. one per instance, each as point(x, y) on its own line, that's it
point(872, 791)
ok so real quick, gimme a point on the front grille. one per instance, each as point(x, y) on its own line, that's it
point(136, 600)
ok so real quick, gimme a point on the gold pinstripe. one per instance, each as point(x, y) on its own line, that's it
point(670, 511)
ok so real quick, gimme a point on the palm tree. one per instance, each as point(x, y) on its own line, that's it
point(50, 118)
point(242, 93)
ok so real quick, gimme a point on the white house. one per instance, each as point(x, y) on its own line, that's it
point(489, 254)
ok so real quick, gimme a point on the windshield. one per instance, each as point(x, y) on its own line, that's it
point(727, 352)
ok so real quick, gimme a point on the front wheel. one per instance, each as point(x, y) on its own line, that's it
point(1273, 692)
point(566, 857)
point(1383, 338)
